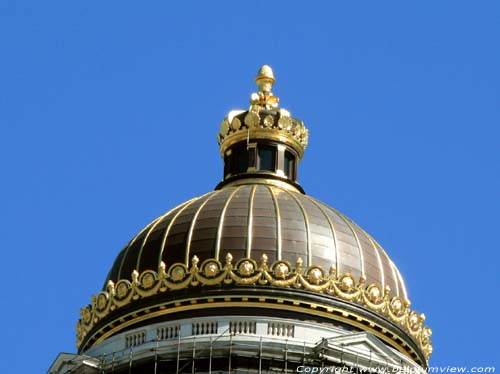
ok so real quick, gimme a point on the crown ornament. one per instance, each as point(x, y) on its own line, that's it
point(263, 119)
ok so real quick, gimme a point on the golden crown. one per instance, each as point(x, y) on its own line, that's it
point(263, 120)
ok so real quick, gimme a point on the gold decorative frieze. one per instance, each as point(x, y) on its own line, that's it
point(247, 271)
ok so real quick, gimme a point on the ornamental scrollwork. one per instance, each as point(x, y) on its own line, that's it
point(247, 271)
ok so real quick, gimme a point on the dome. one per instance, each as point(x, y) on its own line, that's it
point(251, 220)
point(257, 245)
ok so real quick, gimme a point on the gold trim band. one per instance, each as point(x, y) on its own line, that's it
point(238, 301)
point(247, 271)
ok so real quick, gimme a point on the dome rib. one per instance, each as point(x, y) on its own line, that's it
point(152, 227)
point(158, 221)
point(403, 287)
point(332, 228)
point(308, 228)
point(171, 223)
point(193, 223)
point(386, 265)
point(389, 261)
point(360, 249)
point(129, 245)
point(250, 221)
point(395, 277)
point(380, 265)
point(279, 239)
point(221, 221)
point(369, 254)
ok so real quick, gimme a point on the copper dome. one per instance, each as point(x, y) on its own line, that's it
point(255, 219)
point(256, 244)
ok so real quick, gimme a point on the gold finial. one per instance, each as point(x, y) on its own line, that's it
point(265, 79)
point(264, 119)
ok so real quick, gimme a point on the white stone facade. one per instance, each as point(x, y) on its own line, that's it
point(310, 343)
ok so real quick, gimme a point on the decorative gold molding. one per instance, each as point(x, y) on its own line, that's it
point(263, 181)
point(247, 271)
point(235, 301)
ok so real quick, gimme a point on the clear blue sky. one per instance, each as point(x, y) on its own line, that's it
point(108, 116)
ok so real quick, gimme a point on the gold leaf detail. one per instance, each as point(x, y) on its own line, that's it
point(246, 268)
point(101, 301)
point(374, 293)
point(211, 269)
point(347, 283)
point(252, 119)
point(281, 270)
point(122, 290)
point(397, 306)
point(285, 123)
point(213, 273)
point(315, 276)
point(177, 273)
point(235, 124)
point(224, 127)
point(268, 121)
point(148, 280)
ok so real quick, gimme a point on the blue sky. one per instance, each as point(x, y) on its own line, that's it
point(108, 117)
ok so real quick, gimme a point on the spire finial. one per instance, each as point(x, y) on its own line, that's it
point(265, 81)
point(263, 124)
